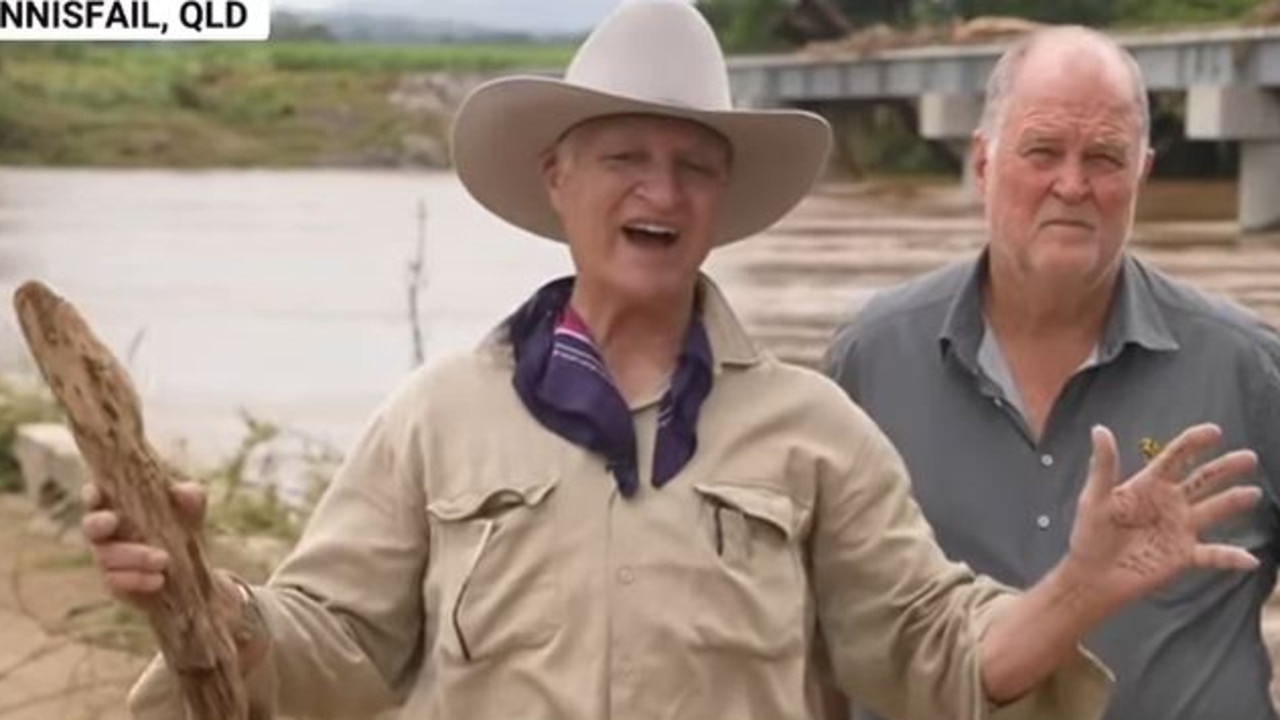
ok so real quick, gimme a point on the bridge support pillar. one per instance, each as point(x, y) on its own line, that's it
point(1251, 116)
point(952, 118)
point(1260, 185)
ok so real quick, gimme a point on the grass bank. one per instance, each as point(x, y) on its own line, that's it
point(277, 104)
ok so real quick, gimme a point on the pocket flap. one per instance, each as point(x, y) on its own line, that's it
point(769, 506)
point(490, 501)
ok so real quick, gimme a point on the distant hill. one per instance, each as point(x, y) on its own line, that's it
point(558, 17)
point(412, 21)
point(364, 27)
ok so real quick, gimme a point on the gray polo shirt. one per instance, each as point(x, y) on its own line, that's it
point(1169, 358)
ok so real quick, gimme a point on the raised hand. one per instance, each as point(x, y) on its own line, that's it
point(1131, 537)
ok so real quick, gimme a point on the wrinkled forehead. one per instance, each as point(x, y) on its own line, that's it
point(641, 126)
point(1059, 107)
point(1084, 86)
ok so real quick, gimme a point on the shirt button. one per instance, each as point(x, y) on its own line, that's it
point(997, 402)
point(1043, 522)
point(626, 575)
point(1046, 460)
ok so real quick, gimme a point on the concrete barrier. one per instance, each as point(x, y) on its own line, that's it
point(52, 469)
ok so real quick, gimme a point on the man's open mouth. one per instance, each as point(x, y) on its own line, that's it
point(651, 234)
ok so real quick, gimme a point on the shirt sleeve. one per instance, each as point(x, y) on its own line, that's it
point(344, 612)
point(837, 360)
point(902, 623)
point(1263, 395)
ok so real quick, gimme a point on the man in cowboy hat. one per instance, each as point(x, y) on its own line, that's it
point(618, 506)
point(987, 375)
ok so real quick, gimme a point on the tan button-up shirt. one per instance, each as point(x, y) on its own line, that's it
point(470, 565)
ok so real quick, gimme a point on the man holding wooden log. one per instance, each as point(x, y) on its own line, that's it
point(619, 506)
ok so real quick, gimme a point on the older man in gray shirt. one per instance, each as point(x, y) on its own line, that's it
point(988, 375)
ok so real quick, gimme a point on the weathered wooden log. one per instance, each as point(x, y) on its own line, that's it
point(193, 629)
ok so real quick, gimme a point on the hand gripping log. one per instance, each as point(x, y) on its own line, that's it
point(193, 630)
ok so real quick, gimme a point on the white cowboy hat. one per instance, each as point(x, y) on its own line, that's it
point(650, 56)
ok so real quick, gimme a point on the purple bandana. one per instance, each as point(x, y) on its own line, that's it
point(562, 381)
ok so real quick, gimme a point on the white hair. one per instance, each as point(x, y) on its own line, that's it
point(1001, 81)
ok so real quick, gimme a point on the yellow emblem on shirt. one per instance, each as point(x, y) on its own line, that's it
point(1150, 448)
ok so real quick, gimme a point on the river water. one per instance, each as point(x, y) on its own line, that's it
point(280, 293)
point(284, 293)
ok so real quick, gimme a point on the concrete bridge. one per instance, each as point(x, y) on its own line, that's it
point(1231, 78)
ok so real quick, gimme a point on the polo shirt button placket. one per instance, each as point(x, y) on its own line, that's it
point(1043, 522)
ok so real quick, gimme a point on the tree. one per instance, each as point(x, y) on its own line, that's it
point(756, 25)
point(1163, 12)
point(871, 12)
point(287, 25)
point(744, 25)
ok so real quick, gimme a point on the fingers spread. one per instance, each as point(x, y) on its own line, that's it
point(1178, 458)
point(1223, 557)
point(1104, 464)
point(1218, 473)
point(1215, 509)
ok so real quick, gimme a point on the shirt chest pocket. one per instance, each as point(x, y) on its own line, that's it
point(494, 552)
point(750, 595)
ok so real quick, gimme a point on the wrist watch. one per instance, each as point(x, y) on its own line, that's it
point(251, 627)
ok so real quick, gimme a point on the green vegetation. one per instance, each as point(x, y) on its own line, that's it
point(248, 528)
point(19, 405)
point(392, 58)
point(244, 495)
point(312, 102)
point(752, 25)
point(881, 138)
point(243, 489)
point(1128, 13)
point(192, 105)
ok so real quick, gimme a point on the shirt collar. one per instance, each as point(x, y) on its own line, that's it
point(731, 344)
point(1134, 317)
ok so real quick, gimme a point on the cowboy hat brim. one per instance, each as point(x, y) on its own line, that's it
point(503, 128)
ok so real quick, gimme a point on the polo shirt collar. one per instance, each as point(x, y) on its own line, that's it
point(1135, 317)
